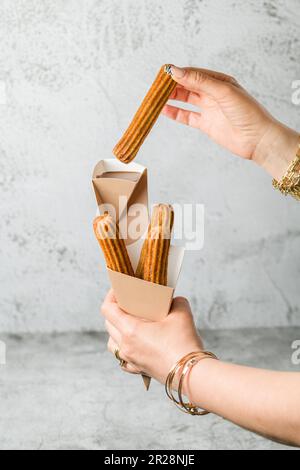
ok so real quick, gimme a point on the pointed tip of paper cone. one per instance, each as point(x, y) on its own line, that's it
point(147, 381)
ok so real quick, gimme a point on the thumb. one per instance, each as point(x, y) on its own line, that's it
point(198, 81)
point(181, 304)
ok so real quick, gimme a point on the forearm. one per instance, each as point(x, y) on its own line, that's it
point(262, 401)
point(277, 149)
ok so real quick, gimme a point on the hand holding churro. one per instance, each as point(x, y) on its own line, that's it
point(146, 116)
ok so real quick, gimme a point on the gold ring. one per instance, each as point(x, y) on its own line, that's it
point(117, 356)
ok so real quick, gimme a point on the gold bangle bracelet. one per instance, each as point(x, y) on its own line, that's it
point(173, 372)
point(185, 365)
point(290, 183)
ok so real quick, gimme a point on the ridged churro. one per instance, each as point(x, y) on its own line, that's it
point(145, 117)
point(113, 246)
point(153, 263)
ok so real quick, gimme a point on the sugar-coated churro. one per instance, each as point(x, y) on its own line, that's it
point(145, 117)
point(153, 263)
point(113, 246)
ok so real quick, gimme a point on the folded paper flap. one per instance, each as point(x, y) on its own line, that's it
point(119, 195)
point(141, 298)
point(113, 165)
point(109, 190)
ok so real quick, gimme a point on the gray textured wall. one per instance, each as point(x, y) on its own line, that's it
point(72, 73)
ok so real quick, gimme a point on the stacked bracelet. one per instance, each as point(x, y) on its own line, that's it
point(183, 367)
point(290, 183)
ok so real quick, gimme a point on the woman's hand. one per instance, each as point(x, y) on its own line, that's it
point(232, 118)
point(248, 397)
point(148, 347)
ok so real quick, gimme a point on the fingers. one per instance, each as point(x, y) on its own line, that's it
point(180, 303)
point(189, 118)
point(112, 346)
point(115, 315)
point(196, 99)
point(118, 323)
point(220, 76)
point(110, 297)
point(182, 94)
point(214, 84)
point(113, 332)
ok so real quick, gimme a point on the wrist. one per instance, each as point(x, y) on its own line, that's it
point(194, 386)
point(179, 377)
point(277, 149)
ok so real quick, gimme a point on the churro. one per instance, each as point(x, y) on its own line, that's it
point(145, 117)
point(113, 246)
point(153, 263)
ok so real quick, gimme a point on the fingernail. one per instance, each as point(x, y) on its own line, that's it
point(176, 72)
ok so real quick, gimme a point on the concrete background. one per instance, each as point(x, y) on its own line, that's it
point(72, 73)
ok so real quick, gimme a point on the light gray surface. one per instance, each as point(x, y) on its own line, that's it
point(67, 392)
point(72, 73)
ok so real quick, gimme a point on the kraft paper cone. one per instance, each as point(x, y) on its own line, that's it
point(135, 296)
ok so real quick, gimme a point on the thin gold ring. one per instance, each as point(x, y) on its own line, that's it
point(117, 356)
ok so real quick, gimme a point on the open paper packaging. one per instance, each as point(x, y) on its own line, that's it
point(113, 180)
